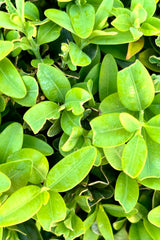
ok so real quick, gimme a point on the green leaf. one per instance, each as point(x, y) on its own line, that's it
point(38, 144)
point(114, 156)
point(154, 216)
point(78, 57)
point(17, 208)
point(150, 27)
point(134, 47)
point(54, 129)
point(140, 214)
point(6, 22)
point(61, 18)
point(69, 120)
point(45, 110)
point(108, 131)
point(122, 22)
point(140, 93)
point(20, 8)
point(48, 32)
point(82, 19)
point(144, 58)
point(11, 82)
point(53, 211)
point(121, 234)
point(138, 15)
point(134, 156)
point(53, 82)
point(5, 183)
point(31, 11)
point(74, 100)
point(18, 172)
point(89, 234)
point(104, 225)
point(32, 92)
point(130, 123)
point(71, 170)
point(102, 13)
point(152, 230)
point(93, 75)
point(112, 104)
point(126, 191)
point(153, 183)
point(12, 137)
point(40, 164)
point(5, 48)
point(118, 211)
point(77, 226)
point(108, 77)
point(137, 231)
point(151, 167)
point(149, 6)
point(153, 129)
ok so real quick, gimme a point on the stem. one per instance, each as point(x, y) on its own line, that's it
point(35, 49)
point(141, 116)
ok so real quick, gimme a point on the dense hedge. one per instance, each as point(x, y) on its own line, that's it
point(80, 120)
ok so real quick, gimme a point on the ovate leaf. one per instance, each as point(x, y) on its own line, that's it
point(71, 170)
point(108, 77)
point(53, 211)
point(108, 131)
point(5, 182)
point(134, 156)
point(122, 22)
point(130, 123)
point(126, 191)
point(152, 230)
point(153, 128)
point(69, 120)
point(103, 13)
point(37, 115)
point(61, 18)
point(40, 164)
point(5, 48)
point(12, 137)
point(154, 216)
point(11, 82)
point(38, 144)
point(140, 93)
point(104, 225)
point(17, 208)
point(149, 6)
point(134, 47)
point(31, 11)
point(74, 100)
point(78, 57)
point(32, 92)
point(53, 82)
point(137, 231)
point(82, 18)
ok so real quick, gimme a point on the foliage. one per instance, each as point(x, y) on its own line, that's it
point(80, 120)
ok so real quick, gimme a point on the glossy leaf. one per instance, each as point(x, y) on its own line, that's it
point(71, 170)
point(53, 211)
point(108, 77)
point(152, 230)
point(40, 164)
point(5, 48)
point(103, 13)
point(118, 211)
point(17, 208)
point(18, 172)
point(137, 231)
point(11, 82)
point(6, 22)
point(130, 123)
point(12, 136)
point(151, 167)
point(38, 144)
point(5, 182)
point(133, 164)
point(93, 75)
point(32, 92)
point(112, 104)
point(108, 131)
point(104, 225)
point(122, 22)
point(134, 47)
point(114, 156)
point(78, 57)
point(53, 82)
point(149, 6)
point(31, 11)
point(69, 120)
point(153, 183)
point(74, 100)
point(48, 32)
point(140, 93)
point(82, 19)
point(61, 18)
point(153, 129)
point(45, 110)
point(126, 191)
